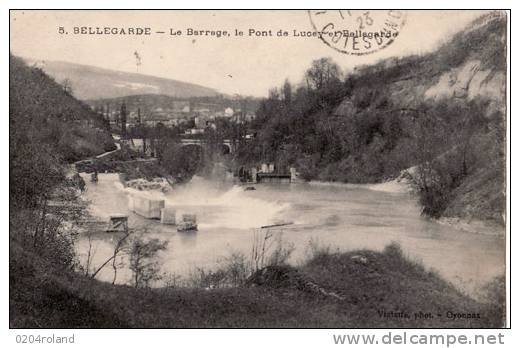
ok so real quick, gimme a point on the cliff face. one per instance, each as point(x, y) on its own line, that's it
point(469, 81)
point(471, 65)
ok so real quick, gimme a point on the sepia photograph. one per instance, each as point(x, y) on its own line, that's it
point(258, 169)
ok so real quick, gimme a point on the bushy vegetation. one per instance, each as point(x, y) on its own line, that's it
point(45, 112)
point(47, 129)
point(145, 268)
point(268, 249)
point(367, 283)
point(371, 124)
point(455, 141)
point(181, 161)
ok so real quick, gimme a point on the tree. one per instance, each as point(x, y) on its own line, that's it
point(181, 161)
point(213, 139)
point(122, 117)
point(322, 72)
point(143, 264)
point(287, 92)
point(120, 247)
point(67, 86)
point(274, 94)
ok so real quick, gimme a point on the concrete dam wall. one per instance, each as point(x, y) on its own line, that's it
point(146, 207)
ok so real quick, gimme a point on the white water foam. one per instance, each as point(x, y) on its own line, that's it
point(217, 207)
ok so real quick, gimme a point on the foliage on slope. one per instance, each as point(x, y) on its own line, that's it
point(42, 111)
point(370, 283)
point(399, 113)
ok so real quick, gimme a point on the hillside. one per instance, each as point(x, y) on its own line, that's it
point(368, 283)
point(90, 82)
point(442, 112)
point(469, 66)
point(43, 112)
point(466, 75)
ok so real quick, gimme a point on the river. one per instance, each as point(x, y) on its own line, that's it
point(344, 217)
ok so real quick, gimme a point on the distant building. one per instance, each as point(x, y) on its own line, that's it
point(201, 110)
point(194, 131)
point(200, 122)
point(228, 112)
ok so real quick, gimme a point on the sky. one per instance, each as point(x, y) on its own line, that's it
point(247, 65)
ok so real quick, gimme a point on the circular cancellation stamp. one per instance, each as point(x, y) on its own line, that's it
point(357, 32)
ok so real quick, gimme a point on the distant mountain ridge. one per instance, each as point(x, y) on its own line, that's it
point(89, 82)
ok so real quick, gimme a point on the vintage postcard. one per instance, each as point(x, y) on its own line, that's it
point(258, 169)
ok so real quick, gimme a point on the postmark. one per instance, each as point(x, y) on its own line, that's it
point(357, 32)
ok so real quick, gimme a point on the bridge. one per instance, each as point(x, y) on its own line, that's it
point(201, 142)
point(274, 177)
